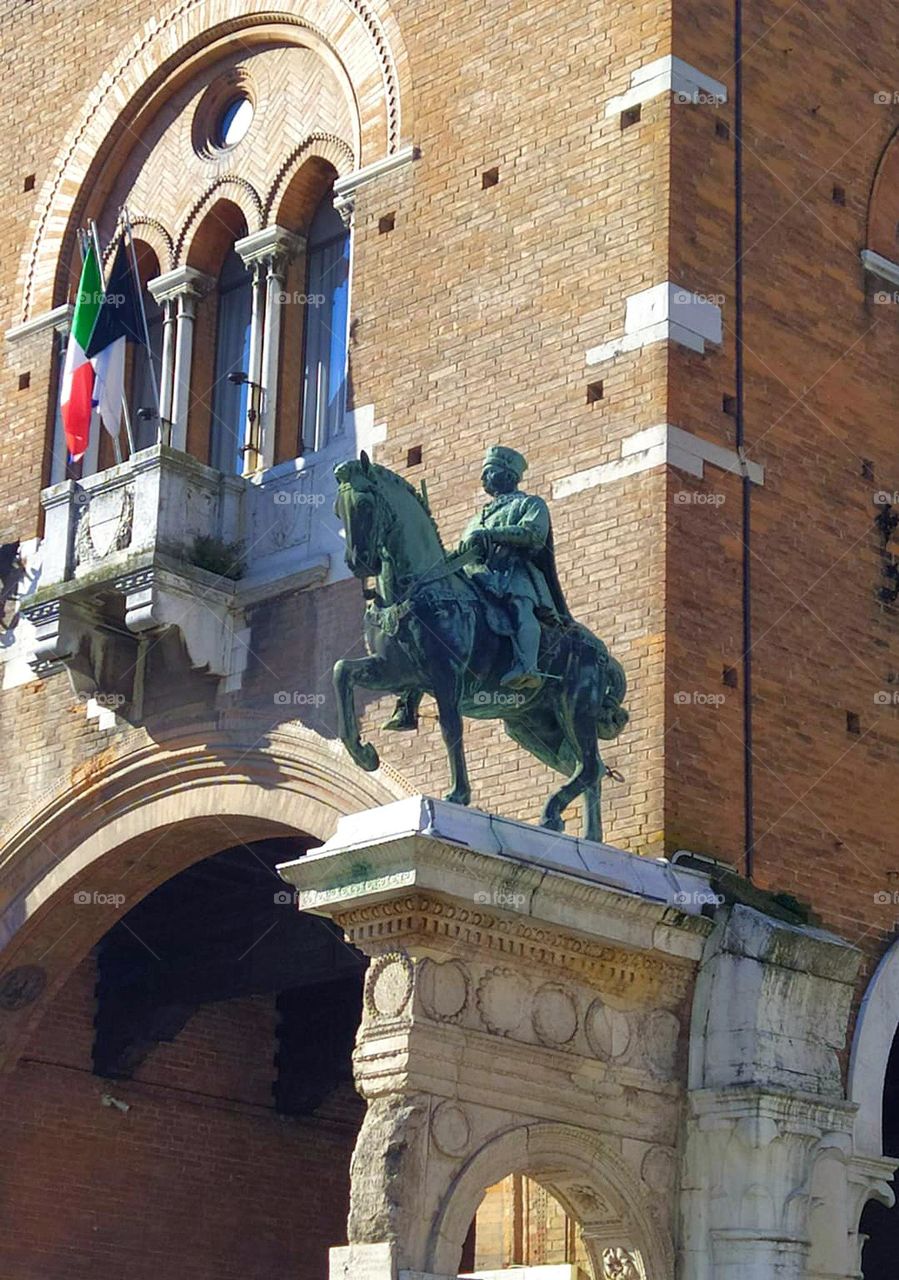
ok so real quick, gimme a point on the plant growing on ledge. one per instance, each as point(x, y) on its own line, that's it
point(217, 556)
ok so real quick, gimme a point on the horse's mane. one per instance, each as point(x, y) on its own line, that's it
point(384, 473)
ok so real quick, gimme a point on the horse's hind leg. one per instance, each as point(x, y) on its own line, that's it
point(593, 810)
point(580, 730)
point(585, 778)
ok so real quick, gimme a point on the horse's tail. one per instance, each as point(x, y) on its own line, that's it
point(612, 716)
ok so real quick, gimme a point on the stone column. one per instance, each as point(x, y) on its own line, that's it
point(267, 252)
point(179, 290)
point(766, 1108)
point(523, 1013)
point(166, 372)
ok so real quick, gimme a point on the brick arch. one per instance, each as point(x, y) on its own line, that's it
point(883, 207)
point(591, 1181)
point(138, 819)
point(155, 234)
point(230, 202)
point(303, 178)
point(362, 38)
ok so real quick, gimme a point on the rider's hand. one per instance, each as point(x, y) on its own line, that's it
point(478, 541)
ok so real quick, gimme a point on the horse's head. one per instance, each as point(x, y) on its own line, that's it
point(386, 520)
point(358, 506)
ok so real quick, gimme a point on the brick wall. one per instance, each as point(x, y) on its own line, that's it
point(819, 356)
point(199, 1178)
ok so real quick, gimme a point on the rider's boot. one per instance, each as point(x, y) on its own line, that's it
point(525, 646)
point(405, 713)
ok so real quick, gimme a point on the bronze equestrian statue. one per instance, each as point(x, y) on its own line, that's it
point(485, 630)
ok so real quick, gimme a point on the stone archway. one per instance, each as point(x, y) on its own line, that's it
point(136, 819)
point(875, 1029)
point(589, 1179)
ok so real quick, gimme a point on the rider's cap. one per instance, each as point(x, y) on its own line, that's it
point(499, 456)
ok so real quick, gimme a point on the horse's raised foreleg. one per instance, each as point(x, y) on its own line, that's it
point(370, 673)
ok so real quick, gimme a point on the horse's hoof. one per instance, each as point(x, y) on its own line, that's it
point(400, 724)
point(458, 797)
point(552, 823)
point(366, 757)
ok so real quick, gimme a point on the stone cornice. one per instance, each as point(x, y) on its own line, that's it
point(433, 925)
point(804, 1113)
point(350, 182)
point(60, 319)
point(494, 869)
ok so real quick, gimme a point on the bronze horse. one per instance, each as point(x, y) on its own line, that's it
point(430, 629)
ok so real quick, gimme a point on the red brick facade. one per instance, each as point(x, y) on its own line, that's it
point(470, 320)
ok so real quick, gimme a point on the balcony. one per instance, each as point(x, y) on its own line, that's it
point(162, 541)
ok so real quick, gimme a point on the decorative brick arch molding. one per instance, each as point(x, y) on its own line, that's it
point(359, 38)
point(589, 1179)
point(136, 819)
point(875, 1029)
point(881, 237)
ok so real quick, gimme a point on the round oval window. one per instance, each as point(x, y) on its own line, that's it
point(234, 122)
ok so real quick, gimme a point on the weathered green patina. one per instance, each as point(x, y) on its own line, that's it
point(484, 630)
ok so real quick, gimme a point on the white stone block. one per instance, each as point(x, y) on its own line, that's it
point(668, 74)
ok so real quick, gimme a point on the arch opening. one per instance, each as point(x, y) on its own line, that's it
point(199, 1053)
point(521, 1224)
point(603, 1224)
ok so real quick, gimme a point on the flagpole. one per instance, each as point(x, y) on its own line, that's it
point(154, 380)
point(116, 446)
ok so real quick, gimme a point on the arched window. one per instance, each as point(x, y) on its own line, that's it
point(325, 339)
point(232, 351)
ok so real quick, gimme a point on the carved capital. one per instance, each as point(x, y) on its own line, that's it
point(182, 284)
point(271, 249)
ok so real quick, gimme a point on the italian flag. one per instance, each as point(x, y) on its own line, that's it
point(93, 377)
point(78, 372)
